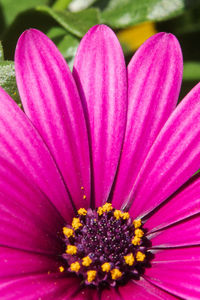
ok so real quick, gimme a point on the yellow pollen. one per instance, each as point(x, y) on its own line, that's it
point(100, 211)
point(61, 269)
point(82, 212)
point(140, 256)
point(76, 223)
point(91, 275)
point(118, 214)
point(75, 267)
point(84, 197)
point(86, 261)
point(82, 188)
point(105, 267)
point(68, 231)
point(125, 216)
point(129, 259)
point(71, 249)
point(115, 274)
point(139, 233)
point(136, 241)
point(107, 207)
point(137, 223)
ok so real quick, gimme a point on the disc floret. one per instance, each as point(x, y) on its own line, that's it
point(104, 245)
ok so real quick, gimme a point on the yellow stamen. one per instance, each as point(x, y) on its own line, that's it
point(136, 241)
point(140, 256)
point(115, 274)
point(71, 249)
point(125, 216)
point(82, 212)
point(129, 259)
point(75, 267)
point(68, 232)
point(105, 267)
point(91, 275)
point(84, 197)
point(107, 207)
point(61, 269)
point(139, 233)
point(118, 214)
point(82, 188)
point(100, 211)
point(86, 261)
point(76, 223)
point(137, 223)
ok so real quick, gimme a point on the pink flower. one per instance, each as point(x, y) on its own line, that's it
point(100, 134)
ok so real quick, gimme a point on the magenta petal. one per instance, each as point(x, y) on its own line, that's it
point(100, 73)
point(109, 294)
point(143, 290)
point(45, 286)
point(84, 294)
point(173, 158)
point(19, 263)
point(23, 154)
point(177, 271)
point(184, 233)
point(50, 99)
point(183, 204)
point(154, 79)
point(28, 220)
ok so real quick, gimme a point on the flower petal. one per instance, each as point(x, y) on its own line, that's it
point(108, 294)
point(28, 220)
point(41, 286)
point(184, 233)
point(100, 74)
point(50, 99)
point(20, 263)
point(173, 158)
point(154, 79)
point(143, 290)
point(177, 271)
point(183, 204)
point(23, 153)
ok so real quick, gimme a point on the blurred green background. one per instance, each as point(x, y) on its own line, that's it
point(66, 21)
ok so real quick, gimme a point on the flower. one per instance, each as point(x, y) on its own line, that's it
point(98, 136)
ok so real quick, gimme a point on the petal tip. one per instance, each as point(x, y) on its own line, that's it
point(31, 33)
point(100, 31)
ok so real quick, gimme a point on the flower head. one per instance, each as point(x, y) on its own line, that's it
point(95, 195)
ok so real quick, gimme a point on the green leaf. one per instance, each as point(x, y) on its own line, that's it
point(10, 9)
point(120, 14)
point(187, 23)
point(66, 43)
point(78, 5)
point(76, 23)
point(7, 79)
point(25, 20)
point(1, 53)
point(61, 4)
point(191, 70)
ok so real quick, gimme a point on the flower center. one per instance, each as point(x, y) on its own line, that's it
point(105, 246)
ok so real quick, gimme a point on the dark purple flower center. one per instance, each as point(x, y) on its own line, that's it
point(105, 246)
